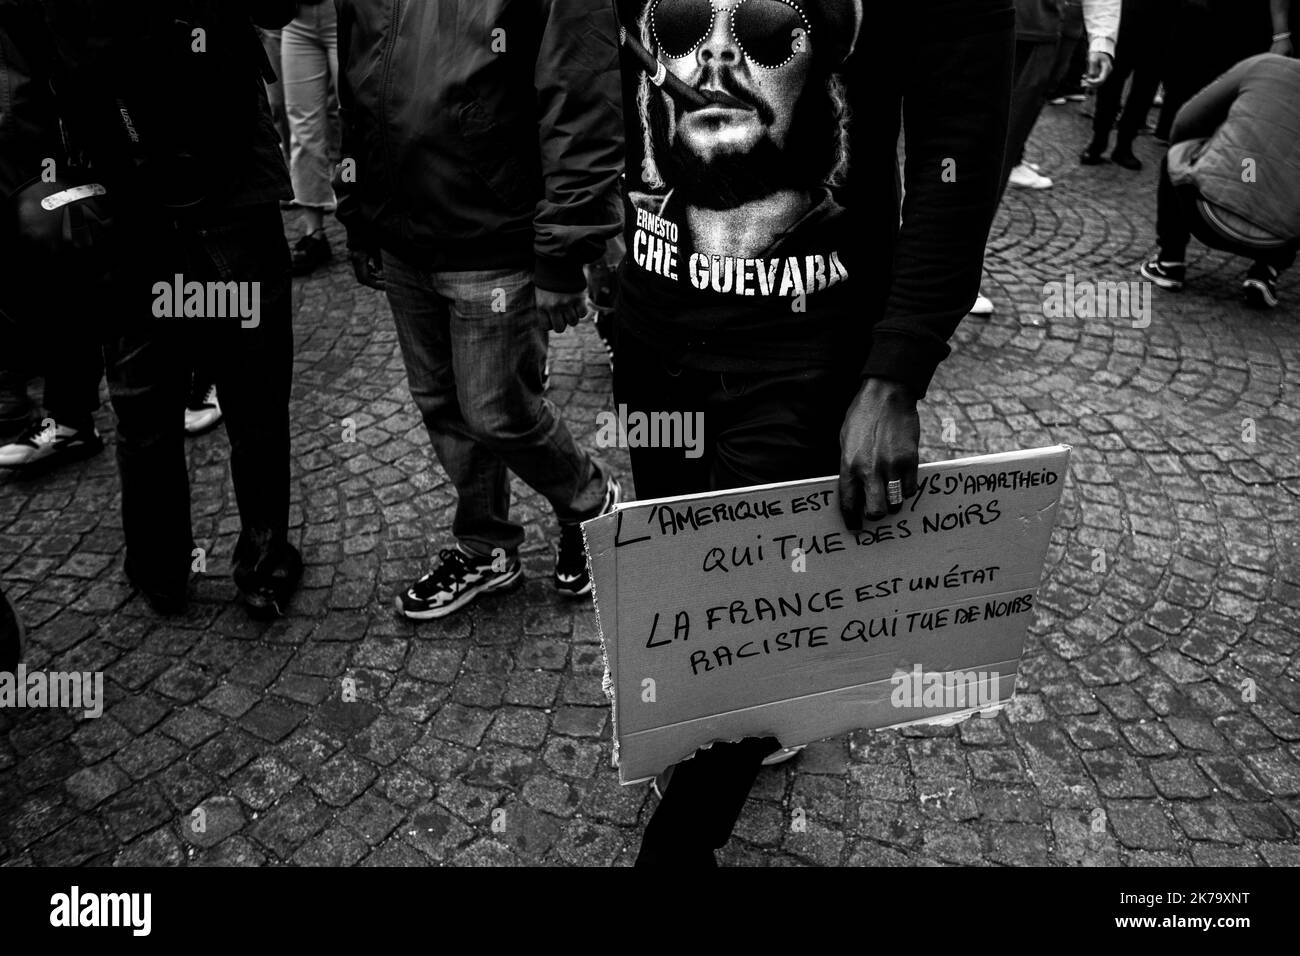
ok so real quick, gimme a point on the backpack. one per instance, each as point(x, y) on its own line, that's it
point(162, 98)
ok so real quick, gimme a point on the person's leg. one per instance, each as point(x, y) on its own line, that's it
point(144, 361)
point(1033, 69)
point(16, 406)
point(307, 73)
point(498, 351)
point(1145, 60)
point(1172, 229)
point(761, 427)
point(1109, 96)
point(423, 320)
point(251, 360)
point(74, 371)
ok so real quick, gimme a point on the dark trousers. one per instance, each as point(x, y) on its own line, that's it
point(53, 336)
point(1139, 53)
point(759, 427)
point(148, 361)
point(1031, 79)
point(1178, 218)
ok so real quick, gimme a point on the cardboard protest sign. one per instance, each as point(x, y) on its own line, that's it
point(754, 612)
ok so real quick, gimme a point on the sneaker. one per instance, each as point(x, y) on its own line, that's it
point(572, 576)
point(1023, 177)
point(457, 580)
point(1076, 97)
point(267, 588)
point(1167, 275)
point(13, 636)
point(1034, 166)
point(983, 305)
point(202, 410)
point(1259, 288)
point(1123, 157)
point(782, 755)
point(49, 441)
point(1057, 101)
point(310, 252)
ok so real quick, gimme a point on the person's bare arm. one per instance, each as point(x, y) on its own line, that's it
point(1281, 12)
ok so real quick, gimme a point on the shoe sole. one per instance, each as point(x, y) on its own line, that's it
point(1033, 186)
point(432, 614)
point(1170, 285)
point(1258, 294)
point(63, 456)
point(586, 588)
point(781, 756)
point(204, 429)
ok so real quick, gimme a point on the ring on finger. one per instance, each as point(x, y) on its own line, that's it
point(894, 492)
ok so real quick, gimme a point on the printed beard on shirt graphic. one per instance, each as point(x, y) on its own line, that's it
point(739, 195)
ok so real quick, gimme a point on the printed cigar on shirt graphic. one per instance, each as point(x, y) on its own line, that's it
point(755, 612)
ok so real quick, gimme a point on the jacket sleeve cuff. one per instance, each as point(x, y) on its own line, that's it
point(903, 359)
point(1102, 45)
point(558, 274)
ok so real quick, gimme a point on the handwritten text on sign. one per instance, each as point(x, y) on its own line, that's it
point(758, 598)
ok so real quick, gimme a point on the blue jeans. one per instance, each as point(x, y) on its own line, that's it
point(475, 373)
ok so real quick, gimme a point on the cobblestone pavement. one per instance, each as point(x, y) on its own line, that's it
point(1173, 580)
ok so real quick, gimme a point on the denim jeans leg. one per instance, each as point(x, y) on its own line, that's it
point(422, 316)
point(498, 351)
point(309, 62)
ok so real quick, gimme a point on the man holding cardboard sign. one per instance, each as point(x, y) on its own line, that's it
point(770, 287)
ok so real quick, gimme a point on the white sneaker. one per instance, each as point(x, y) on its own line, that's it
point(47, 439)
point(1025, 178)
point(202, 411)
point(983, 305)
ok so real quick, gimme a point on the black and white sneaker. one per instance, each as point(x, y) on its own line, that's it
point(457, 580)
point(1259, 288)
point(1167, 275)
point(48, 441)
point(202, 410)
point(572, 576)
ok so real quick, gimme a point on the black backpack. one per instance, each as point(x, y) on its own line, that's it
point(161, 98)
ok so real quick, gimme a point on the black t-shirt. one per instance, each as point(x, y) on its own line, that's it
point(765, 225)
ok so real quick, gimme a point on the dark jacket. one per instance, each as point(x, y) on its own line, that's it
point(1238, 142)
point(481, 135)
point(202, 124)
